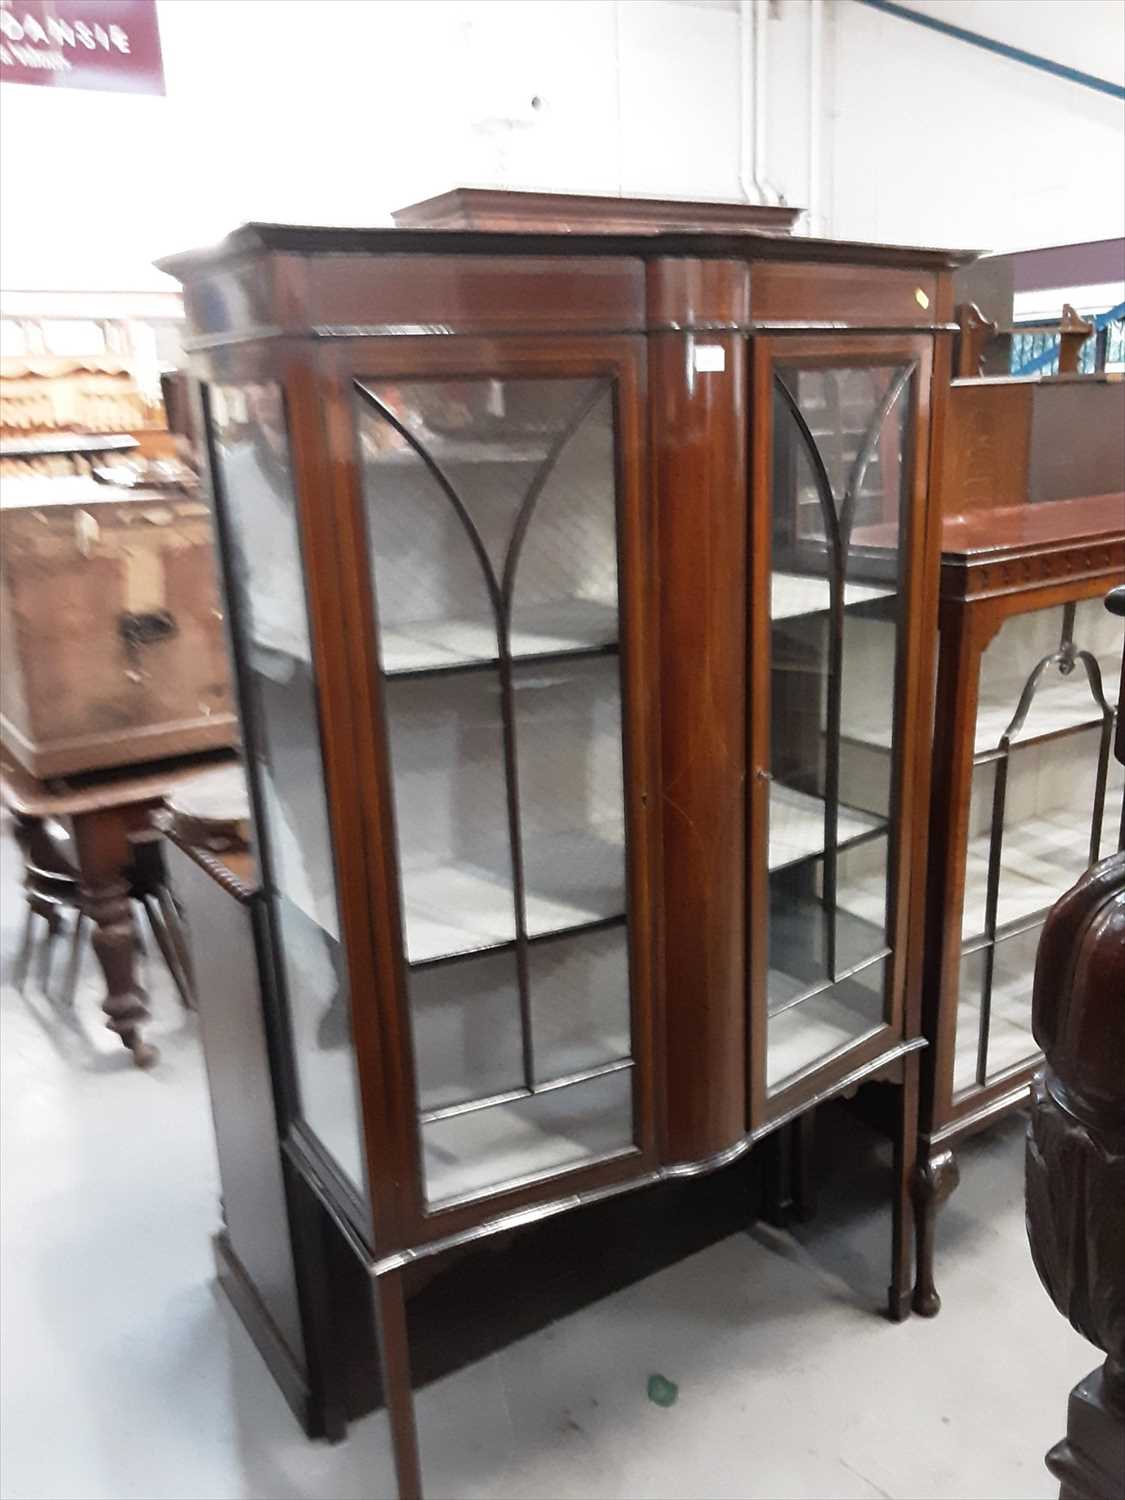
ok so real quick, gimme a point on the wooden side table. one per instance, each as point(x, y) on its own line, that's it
point(104, 810)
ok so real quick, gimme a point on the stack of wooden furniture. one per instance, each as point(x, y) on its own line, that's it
point(1027, 794)
point(115, 687)
point(571, 882)
point(49, 403)
point(1014, 440)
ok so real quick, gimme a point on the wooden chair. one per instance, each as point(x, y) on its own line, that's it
point(53, 891)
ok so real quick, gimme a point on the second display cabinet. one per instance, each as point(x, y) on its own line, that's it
point(1028, 795)
point(581, 593)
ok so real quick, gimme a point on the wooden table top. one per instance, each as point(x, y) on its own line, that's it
point(1037, 524)
point(98, 791)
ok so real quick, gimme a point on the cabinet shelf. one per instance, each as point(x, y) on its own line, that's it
point(458, 907)
point(822, 1025)
point(811, 1017)
point(530, 1137)
point(797, 941)
point(557, 629)
point(1011, 1041)
point(1060, 706)
point(795, 594)
point(1038, 853)
point(510, 1096)
point(797, 826)
point(454, 452)
point(813, 1029)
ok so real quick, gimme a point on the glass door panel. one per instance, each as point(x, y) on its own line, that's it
point(492, 524)
point(839, 455)
point(994, 1009)
point(446, 739)
point(259, 533)
point(571, 790)
point(1046, 803)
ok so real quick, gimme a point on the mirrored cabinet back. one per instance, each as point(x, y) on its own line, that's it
point(582, 591)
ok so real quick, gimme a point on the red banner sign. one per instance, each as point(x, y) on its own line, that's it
point(82, 44)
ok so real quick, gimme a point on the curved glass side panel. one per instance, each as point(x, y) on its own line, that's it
point(839, 445)
point(492, 527)
point(265, 586)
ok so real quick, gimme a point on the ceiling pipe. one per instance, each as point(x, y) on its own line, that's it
point(816, 34)
point(753, 18)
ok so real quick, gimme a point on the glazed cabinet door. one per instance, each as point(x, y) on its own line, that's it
point(840, 453)
point(1045, 804)
point(501, 504)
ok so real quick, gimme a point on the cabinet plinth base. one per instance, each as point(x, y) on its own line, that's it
point(1089, 1462)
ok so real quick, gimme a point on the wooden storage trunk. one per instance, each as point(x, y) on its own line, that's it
point(113, 640)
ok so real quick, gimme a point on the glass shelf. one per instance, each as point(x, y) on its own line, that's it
point(797, 826)
point(811, 1017)
point(452, 806)
point(799, 930)
point(532, 1137)
point(1061, 705)
point(467, 1037)
point(1049, 799)
point(562, 627)
point(1038, 853)
point(454, 909)
point(451, 453)
point(795, 594)
point(1010, 1038)
point(1061, 700)
point(821, 1026)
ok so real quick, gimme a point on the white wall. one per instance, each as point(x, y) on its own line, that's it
point(341, 110)
point(943, 143)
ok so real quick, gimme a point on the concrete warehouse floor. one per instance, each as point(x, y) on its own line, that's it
point(124, 1374)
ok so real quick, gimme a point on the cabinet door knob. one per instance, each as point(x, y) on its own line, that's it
point(761, 774)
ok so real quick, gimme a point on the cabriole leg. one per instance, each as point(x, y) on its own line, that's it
point(934, 1179)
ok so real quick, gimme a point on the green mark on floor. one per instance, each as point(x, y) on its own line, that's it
point(662, 1391)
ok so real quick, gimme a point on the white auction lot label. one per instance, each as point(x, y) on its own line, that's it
point(709, 357)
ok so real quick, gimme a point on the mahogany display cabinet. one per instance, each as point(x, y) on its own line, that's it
point(1027, 795)
point(582, 598)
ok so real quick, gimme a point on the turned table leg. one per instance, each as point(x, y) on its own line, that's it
point(935, 1178)
point(103, 854)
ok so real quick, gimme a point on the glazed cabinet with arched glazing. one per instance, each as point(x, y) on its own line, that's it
point(1028, 795)
point(838, 573)
point(580, 594)
point(506, 614)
